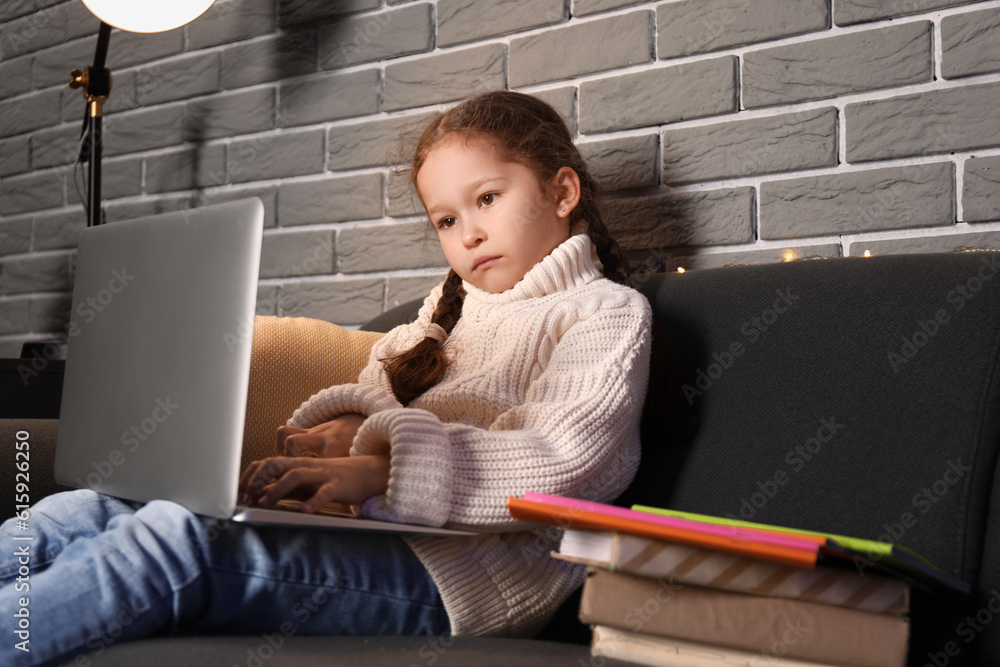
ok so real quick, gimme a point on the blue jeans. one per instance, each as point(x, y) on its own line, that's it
point(102, 570)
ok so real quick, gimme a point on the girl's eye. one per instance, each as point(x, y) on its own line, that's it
point(445, 223)
point(489, 198)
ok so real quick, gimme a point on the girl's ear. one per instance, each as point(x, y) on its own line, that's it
point(567, 186)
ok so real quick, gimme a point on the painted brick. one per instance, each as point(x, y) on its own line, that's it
point(375, 143)
point(30, 112)
point(937, 121)
point(581, 48)
point(55, 147)
point(51, 313)
point(177, 79)
point(563, 100)
point(878, 199)
point(585, 7)
point(291, 153)
point(404, 290)
point(185, 169)
point(847, 12)
point(852, 63)
point(330, 200)
point(267, 300)
point(31, 192)
point(130, 210)
point(15, 76)
point(60, 229)
point(35, 273)
point(328, 97)
point(14, 154)
point(619, 164)
point(81, 22)
point(283, 56)
point(970, 43)
point(788, 142)
point(15, 315)
point(144, 130)
point(377, 36)
point(15, 235)
point(230, 21)
point(343, 302)
point(403, 200)
point(294, 12)
point(658, 96)
point(449, 76)
point(290, 254)
point(34, 32)
point(12, 9)
point(119, 178)
point(698, 26)
point(267, 195)
point(980, 199)
point(229, 114)
point(921, 244)
point(389, 247)
point(750, 255)
point(471, 20)
point(707, 217)
point(134, 48)
point(52, 66)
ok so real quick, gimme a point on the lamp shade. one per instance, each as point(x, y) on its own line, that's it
point(147, 16)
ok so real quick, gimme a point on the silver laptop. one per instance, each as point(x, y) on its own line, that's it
point(158, 363)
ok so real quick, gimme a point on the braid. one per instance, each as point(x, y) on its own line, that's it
point(616, 266)
point(416, 370)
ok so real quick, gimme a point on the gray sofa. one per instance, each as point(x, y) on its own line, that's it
point(858, 396)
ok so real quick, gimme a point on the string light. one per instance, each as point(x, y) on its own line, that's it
point(680, 269)
point(868, 253)
point(789, 255)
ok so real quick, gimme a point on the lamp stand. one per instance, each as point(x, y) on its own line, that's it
point(96, 84)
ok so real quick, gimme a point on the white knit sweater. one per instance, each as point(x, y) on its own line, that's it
point(543, 392)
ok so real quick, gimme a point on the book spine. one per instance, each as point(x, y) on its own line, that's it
point(764, 625)
point(715, 569)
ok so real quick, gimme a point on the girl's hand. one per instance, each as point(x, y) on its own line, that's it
point(350, 480)
point(327, 440)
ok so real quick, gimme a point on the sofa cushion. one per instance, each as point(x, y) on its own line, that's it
point(292, 359)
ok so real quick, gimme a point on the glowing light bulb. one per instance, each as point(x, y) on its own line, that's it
point(135, 16)
point(868, 253)
point(680, 269)
point(789, 256)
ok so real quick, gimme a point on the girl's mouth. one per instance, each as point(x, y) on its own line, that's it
point(485, 262)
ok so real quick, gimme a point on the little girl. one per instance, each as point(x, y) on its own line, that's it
point(524, 371)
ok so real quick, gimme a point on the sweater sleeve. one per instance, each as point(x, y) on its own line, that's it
point(371, 393)
point(575, 434)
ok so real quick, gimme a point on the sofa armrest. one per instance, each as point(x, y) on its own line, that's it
point(40, 434)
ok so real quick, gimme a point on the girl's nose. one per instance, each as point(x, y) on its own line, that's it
point(473, 234)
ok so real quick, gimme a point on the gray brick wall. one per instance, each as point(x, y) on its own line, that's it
point(723, 131)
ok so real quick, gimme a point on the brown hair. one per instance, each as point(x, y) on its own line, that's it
point(522, 129)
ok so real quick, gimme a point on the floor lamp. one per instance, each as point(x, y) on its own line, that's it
point(95, 80)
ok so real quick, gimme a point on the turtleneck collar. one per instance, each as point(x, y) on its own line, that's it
point(569, 265)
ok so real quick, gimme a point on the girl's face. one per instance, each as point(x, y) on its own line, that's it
point(493, 218)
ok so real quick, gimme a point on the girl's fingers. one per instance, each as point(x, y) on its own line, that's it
point(293, 474)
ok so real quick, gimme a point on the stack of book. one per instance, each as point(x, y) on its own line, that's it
point(672, 588)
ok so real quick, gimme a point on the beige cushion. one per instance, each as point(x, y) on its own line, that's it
point(293, 358)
